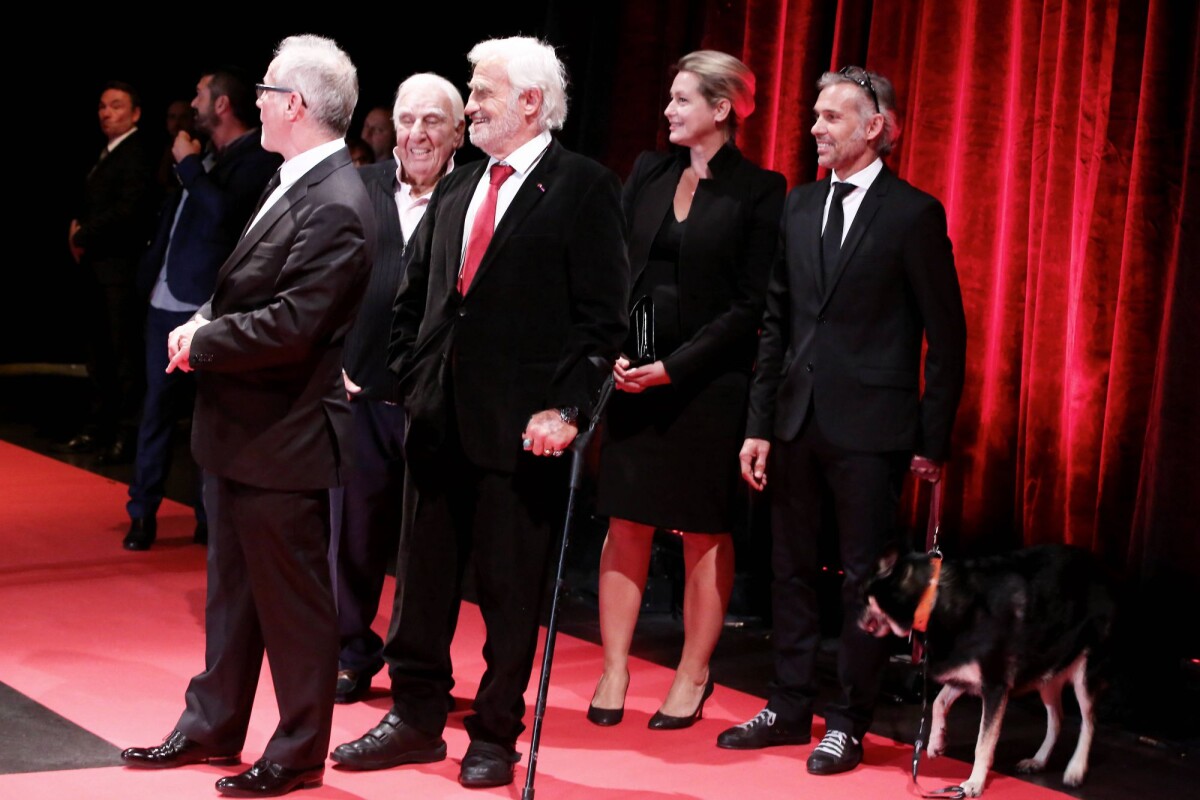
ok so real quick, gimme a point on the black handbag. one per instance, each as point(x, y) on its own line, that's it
point(639, 347)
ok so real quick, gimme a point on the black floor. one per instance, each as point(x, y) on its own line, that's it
point(1149, 722)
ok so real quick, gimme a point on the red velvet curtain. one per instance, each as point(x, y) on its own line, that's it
point(1062, 137)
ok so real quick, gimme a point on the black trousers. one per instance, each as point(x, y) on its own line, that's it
point(369, 532)
point(268, 590)
point(503, 524)
point(865, 488)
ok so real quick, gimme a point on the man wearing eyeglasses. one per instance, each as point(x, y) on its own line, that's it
point(866, 275)
point(271, 430)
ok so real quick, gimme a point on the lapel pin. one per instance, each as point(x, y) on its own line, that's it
point(541, 188)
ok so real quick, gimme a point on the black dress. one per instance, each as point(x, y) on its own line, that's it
point(669, 455)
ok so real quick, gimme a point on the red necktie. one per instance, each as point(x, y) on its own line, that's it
point(483, 227)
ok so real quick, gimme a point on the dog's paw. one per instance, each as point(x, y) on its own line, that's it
point(972, 788)
point(937, 746)
point(1029, 765)
point(1075, 774)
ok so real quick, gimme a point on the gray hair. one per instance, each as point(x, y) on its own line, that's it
point(722, 77)
point(324, 76)
point(530, 64)
point(885, 93)
point(430, 80)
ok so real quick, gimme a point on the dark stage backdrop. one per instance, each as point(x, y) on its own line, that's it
point(1060, 134)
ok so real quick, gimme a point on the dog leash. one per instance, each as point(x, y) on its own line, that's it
point(931, 544)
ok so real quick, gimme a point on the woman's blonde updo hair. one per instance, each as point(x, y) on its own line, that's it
point(722, 77)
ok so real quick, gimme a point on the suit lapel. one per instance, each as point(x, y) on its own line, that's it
point(653, 203)
point(862, 220)
point(295, 193)
point(453, 212)
point(536, 184)
point(811, 227)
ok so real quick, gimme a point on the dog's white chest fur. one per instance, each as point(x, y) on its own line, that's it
point(965, 676)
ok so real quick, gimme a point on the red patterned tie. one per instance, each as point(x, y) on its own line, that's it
point(482, 228)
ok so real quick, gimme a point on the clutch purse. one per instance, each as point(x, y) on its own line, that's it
point(639, 347)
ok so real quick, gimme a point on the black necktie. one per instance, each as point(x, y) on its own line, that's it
point(272, 185)
point(831, 240)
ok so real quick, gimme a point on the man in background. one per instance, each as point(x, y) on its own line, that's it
point(199, 225)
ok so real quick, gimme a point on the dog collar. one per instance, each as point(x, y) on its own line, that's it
point(925, 606)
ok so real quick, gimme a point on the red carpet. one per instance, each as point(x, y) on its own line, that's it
point(108, 639)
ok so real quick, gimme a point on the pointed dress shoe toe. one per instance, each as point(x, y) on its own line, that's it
point(389, 744)
point(268, 779)
point(176, 751)
point(142, 533)
point(605, 717)
point(665, 722)
point(487, 764)
point(765, 730)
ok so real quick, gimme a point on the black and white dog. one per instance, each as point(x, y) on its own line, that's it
point(1034, 619)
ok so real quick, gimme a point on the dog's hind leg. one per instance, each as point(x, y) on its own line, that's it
point(937, 727)
point(995, 702)
point(1051, 693)
point(1078, 765)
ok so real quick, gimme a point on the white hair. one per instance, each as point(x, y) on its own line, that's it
point(530, 64)
point(430, 80)
point(324, 76)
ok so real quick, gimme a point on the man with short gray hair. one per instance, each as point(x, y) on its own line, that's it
point(430, 127)
point(271, 431)
point(511, 314)
point(865, 277)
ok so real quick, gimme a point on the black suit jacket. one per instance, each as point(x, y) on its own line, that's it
point(728, 248)
point(541, 323)
point(853, 352)
point(366, 347)
point(219, 205)
point(271, 410)
point(117, 215)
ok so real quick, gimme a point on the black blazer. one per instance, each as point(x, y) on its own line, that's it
point(726, 255)
point(219, 205)
point(854, 352)
point(116, 219)
point(271, 410)
point(366, 346)
point(541, 323)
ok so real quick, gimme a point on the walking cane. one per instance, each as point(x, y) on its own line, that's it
point(578, 453)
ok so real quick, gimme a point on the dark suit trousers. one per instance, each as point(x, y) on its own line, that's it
point(168, 397)
point(115, 356)
point(865, 488)
point(268, 589)
point(369, 532)
point(503, 524)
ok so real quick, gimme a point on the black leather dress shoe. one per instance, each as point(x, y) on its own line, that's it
point(83, 443)
point(142, 532)
point(666, 722)
point(765, 730)
point(200, 535)
point(837, 752)
point(389, 744)
point(268, 779)
point(353, 684)
point(119, 452)
point(487, 764)
point(176, 751)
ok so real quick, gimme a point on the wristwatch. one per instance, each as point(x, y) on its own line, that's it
point(569, 414)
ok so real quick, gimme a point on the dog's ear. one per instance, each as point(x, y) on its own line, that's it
point(887, 560)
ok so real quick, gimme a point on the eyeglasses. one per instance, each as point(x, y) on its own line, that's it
point(863, 79)
point(262, 88)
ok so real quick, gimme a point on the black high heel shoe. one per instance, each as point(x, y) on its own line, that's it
point(607, 717)
point(665, 722)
